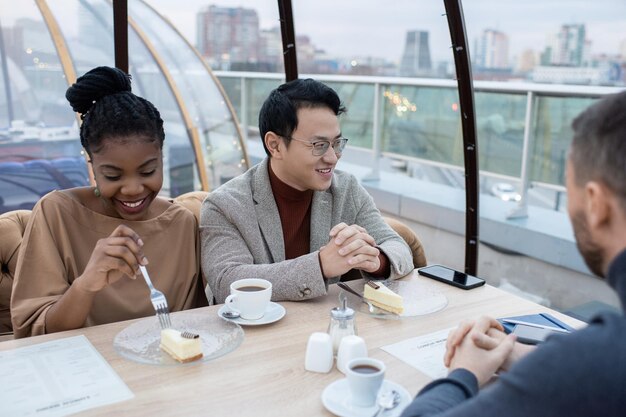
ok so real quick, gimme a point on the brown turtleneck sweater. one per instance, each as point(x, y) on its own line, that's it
point(294, 209)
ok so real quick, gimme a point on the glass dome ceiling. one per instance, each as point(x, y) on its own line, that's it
point(46, 45)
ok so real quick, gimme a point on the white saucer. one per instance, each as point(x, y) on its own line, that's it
point(337, 399)
point(273, 313)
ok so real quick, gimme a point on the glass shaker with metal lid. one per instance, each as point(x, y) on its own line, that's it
point(341, 322)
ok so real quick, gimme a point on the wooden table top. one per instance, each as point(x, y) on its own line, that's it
point(265, 376)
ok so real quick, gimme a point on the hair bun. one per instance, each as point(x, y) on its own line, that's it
point(95, 84)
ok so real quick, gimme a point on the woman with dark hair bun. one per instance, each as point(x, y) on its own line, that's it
point(82, 248)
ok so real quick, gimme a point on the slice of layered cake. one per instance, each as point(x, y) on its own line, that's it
point(383, 298)
point(184, 347)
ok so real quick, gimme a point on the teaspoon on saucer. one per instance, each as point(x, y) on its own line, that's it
point(230, 314)
point(387, 401)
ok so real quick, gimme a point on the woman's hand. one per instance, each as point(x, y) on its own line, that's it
point(114, 257)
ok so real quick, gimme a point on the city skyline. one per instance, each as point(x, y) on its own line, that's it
point(605, 23)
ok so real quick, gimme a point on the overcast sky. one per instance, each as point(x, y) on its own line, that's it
point(378, 27)
point(353, 28)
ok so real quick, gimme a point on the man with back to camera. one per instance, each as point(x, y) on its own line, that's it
point(578, 374)
point(292, 219)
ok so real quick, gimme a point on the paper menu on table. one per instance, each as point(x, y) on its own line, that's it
point(425, 353)
point(57, 378)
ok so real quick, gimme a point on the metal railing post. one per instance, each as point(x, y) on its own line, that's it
point(244, 109)
point(374, 174)
point(521, 211)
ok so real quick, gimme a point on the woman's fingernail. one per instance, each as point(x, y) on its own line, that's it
point(140, 242)
point(144, 261)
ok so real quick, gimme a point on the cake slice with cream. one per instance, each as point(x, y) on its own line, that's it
point(382, 297)
point(184, 347)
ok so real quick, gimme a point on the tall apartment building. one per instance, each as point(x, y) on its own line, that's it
point(492, 50)
point(527, 61)
point(416, 56)
point(622, 50)
point(271, 46)
point(569, 47)
point(228, 35)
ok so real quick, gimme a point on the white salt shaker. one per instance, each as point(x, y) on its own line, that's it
point(351, 347)
point(319, 353)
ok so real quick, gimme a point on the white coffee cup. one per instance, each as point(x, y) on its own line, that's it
point(319, 353)
point(350, 347)
point(249, 297)
point(365, 377)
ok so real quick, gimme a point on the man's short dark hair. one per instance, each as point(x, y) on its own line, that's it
point(598, 151)
point(279, 113)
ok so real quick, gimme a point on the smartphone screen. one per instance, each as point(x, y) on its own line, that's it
point(531, 335)
point(451, 276)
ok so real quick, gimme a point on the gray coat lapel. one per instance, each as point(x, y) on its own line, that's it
point(321, 217)
point(267, 212)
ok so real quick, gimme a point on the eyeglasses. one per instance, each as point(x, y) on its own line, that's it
point(320, 147)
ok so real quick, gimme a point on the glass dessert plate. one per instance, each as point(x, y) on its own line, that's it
point(140, 341)
point(419, 299)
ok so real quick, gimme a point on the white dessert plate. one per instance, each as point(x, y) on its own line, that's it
point(420, 298)
point(337, 399)
point(273, 313)
point(140, 341)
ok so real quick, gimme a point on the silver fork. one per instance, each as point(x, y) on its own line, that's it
point(158, 301)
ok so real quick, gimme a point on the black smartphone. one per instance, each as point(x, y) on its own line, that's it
point(531, 335)
point(452, 277)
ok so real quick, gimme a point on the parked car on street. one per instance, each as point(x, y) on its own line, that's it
point(505, 191)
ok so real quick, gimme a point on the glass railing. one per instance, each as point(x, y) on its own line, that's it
point(414, 125)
